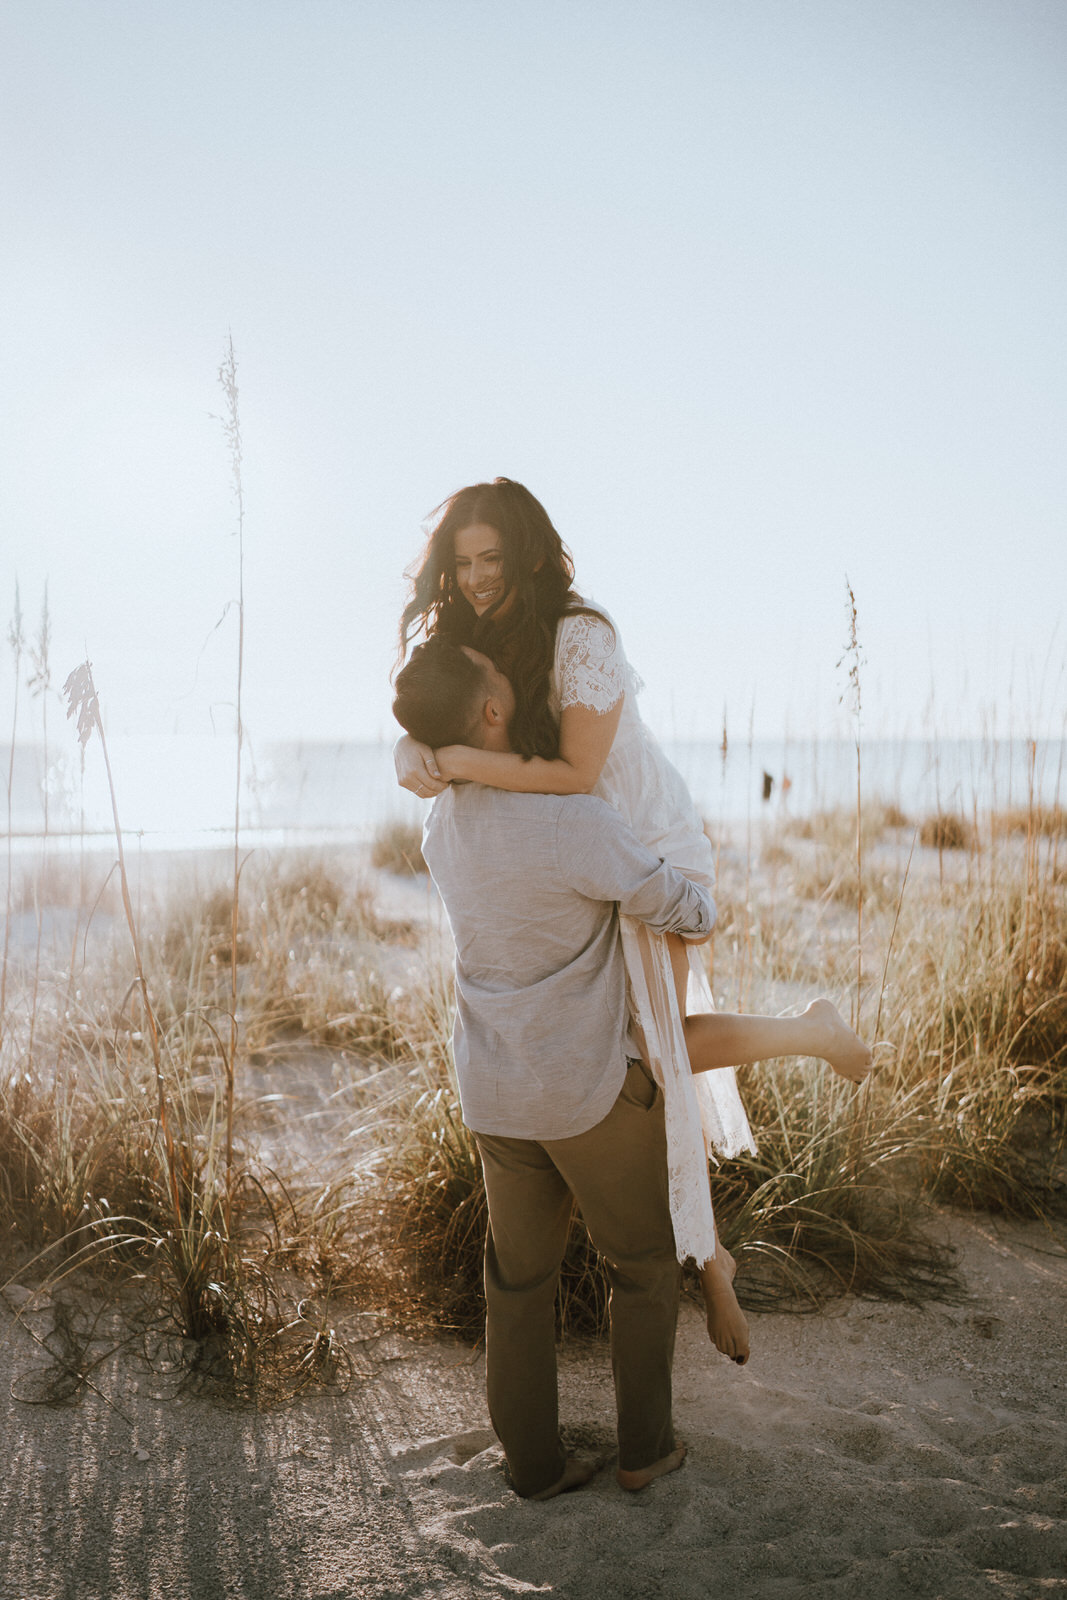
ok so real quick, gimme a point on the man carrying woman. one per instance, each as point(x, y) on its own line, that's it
point(549, 1077)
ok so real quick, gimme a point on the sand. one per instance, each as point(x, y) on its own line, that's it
point(871, 1450)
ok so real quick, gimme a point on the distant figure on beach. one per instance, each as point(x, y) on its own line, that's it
point(496, 577)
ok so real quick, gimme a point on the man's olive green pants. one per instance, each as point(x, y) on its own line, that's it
point(617, 1172)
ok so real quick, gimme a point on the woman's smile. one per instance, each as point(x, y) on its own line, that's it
point(479, 558)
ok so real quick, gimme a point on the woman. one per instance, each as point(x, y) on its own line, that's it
point(497, 576)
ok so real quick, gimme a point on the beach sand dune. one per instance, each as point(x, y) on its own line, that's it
point(874, 1450)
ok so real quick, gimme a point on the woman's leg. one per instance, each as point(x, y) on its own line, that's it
point(727, 1327)
point(727, 1038)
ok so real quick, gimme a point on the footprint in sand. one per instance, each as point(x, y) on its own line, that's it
point(457, 1449)
point(860, 1438)
point(453, 1456)
point(1031, 1455)
point(1033, 1546)
point(935, 1509)
point(922, 1571)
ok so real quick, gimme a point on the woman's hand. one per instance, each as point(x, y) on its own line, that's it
point(452, 764)
point(417, 769)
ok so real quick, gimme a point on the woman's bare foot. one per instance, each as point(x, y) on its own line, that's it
point(727, 1328)
point(641, 1478)
point(837, 1043)
point(725, 1260)
point(575, 1474)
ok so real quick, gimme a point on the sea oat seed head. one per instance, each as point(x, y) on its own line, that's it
point(82, 702)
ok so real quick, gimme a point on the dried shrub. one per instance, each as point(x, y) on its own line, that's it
point(1048, 821)
point(398, 848)
point(946, 831)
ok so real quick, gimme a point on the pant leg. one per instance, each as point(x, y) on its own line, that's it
point(529, 1217)
point(618, 1174)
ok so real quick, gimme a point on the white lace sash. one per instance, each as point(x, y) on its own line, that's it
point(703, 1110)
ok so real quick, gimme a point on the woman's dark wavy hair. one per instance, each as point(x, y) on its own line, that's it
point(538, 570)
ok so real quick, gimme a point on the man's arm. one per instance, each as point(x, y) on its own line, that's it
point(602, 857)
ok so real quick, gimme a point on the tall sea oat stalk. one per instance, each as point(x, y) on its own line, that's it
point(231, 427)
point(83, 704)
point(17, 641)
point(854, 658)
point(745, 965)
point(724, 751)
point(40, 684)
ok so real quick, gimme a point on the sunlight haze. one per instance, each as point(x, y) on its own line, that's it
point(750, 295)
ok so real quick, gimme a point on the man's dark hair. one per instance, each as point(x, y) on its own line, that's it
point(440, 694)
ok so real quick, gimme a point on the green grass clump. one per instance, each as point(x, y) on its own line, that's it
point(824, 1205)
point(981, 1026)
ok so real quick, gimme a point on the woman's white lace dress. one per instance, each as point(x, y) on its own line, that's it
point(703, 1111)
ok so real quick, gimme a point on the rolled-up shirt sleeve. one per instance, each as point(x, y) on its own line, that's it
point(600, 856)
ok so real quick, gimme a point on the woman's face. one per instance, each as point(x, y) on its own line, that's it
point(479, 557)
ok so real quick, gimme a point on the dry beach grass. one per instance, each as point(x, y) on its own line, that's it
point(909, 1439)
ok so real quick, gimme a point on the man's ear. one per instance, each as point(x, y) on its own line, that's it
point(493, 713)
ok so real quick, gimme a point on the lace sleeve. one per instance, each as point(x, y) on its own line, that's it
point(591, 669)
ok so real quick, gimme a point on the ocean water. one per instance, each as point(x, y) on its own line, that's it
point(179, 793)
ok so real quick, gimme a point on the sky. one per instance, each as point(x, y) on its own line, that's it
point(752, 294)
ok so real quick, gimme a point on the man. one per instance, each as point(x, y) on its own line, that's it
point(549, 1079)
